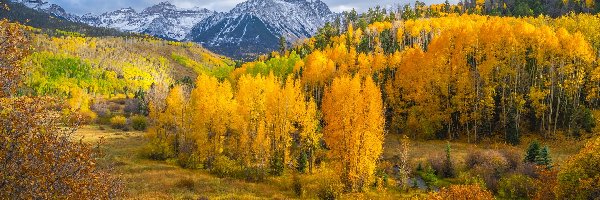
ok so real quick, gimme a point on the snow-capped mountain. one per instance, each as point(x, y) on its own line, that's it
point(255, 26)
point(162, 20)
point(49, 8)
point(252, 27)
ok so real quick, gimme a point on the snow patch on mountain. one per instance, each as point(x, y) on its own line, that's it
point(162, 20)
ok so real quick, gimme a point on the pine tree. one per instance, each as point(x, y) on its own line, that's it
point(544, 158)
point(532, 152)
point(448, 167)
point(282, 45)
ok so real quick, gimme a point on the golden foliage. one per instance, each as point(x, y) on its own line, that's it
point(462, 192)
point(354, 128)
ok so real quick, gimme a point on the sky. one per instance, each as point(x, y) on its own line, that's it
point(81, 7)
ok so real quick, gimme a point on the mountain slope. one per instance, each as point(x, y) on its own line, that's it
point(161, 20)
point(254, 27)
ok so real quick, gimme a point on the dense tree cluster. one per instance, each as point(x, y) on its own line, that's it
point(473, 76)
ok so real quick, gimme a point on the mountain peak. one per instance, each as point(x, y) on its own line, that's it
point(254, 26)
point(165, 5)
point(126, 10)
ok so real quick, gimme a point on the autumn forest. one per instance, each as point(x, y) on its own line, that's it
point(470, 101)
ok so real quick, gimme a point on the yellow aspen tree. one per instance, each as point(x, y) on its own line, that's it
point(354, 128)
point(213, 105)
point(176, 116)
point(251, 144)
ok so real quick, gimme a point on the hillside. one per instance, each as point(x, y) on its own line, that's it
point(17, 12)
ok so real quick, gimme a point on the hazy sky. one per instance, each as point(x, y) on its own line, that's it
point(81, 7)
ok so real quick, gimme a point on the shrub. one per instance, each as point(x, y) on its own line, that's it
point(158, 149)
point(428, 175)
point(42, 161)
point(547, 184)
point(139, 123)
point(517, 186)
point(100, 107)
point(462, 192)
point(223, 166)
point(118, 122)
point(188, 155)
point(579, 177)
point(84, 117)
point(466, 178)
point(255, 174)
point(513, 156)
point(329, 190)
point(133, 106)
point(489, 165)
point(297, 186)
point(436, 163)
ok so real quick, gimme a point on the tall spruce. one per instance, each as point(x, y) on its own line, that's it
point(532, 152)
point(544, 159)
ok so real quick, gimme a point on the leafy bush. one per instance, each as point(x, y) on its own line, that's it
point(513, 156)
point(579, 177)
point(329, 190)
point(436, 163)
point(255, 174)
point(100, 107)
point(158, 149)
point(133, 106)
point(489, 165)
point(188, 155)
point(462, 192)
point(139, 123)
point(466, 178)
point(118, 122)
point(223, 166)
point(517, 186)
point(428, 175)
point(47, 163)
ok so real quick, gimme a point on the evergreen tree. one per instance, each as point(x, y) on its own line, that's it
point(302, 160)
point(282, 45)
point(512, 132)
point(448, 167)
point(544, 158)
point(532, 152)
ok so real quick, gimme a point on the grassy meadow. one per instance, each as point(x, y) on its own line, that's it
point(150, 179)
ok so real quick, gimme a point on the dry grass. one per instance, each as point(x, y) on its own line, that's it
point(148, 179)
